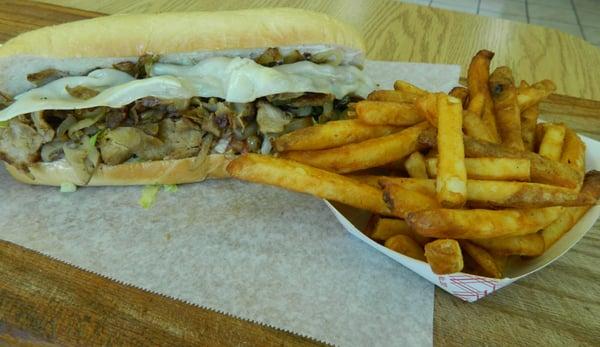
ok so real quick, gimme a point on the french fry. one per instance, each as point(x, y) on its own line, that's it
point(476, 104)
point(331, 134)
point(573, 153)
point(483, 258)
point(363, 155)
point(508, 116)
point(562, 225)
point(408, 88)
point(481, 224)
point(529, 119)
point(384, 228)
point(392, 96)
point(404, 244)
point(415, 165)
point(426, 106)
point(542, 170)
point(444, 256)
point(532, 95)
point(500, 169)
point(402, 201)
point(462, 94)
point(530, 245)
point(305, 179)
point(477, 81)
point(387, 113)
point(500, 193)
point(552, 143)
point(451, 180)
point(473, 126)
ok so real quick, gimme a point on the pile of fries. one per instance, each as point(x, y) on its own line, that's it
point(465, 181)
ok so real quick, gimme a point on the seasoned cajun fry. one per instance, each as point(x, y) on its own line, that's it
point(483, 258)
point(404, 244)
point(387, 113)
point(542, 170)
point(530, 245)
point(529, 119)
point(392, 96)
point(562, 224)
point(331, 134)
point(415, 165)
point(551, 145)
point(363, 155)
point(305, 179)
point(508, 116)
point(444, 256)
point(500, 169)
point(451, 177)
point(402, 201)
point(532, 95)
point(481, 224)
point(462, 94)
point(477, 81)
point(426, 106)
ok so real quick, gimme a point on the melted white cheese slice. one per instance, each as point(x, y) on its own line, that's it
point(232, 79)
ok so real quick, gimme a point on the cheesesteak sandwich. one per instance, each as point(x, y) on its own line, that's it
point(169, 98)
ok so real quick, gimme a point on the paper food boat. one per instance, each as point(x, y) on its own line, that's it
point(470, 287)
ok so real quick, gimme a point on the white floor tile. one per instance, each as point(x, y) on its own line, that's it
point(514, 17)
point(553, 3)
point(453, 7)
point(513, 7)
point(589, 17)
point(554, 14)
point(572, 29)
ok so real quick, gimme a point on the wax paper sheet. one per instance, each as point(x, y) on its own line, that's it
point(254, 251)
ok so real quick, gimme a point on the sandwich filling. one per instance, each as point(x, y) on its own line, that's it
point(146, 110)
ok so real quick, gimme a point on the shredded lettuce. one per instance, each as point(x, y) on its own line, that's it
point(67, 187)
point(148, 197)
point(94, 138)
point(171, 188)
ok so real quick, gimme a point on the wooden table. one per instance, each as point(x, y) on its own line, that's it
point(45, 301)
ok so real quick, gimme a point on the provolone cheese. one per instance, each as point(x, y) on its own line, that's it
point(232, 79)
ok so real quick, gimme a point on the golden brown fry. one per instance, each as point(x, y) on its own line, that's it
point(499, 169)
point(392, 96)
point(481, 224)
point(473, 126)
point(402, 201)
point(331, 134)
point(483, 258)
point(551, 145)
point(426, 106)
point(529, 119)
point(451, 180)
point(530, 245)
point(476, 104)
point(532, 95)
point(504, 193)
point(305, 179)
point(404, 244)
point(384, 228)
point(363, 155)
point(477, 81)
point(444, 256)
point(542, 170)
point(573, 153)
point(563, 224)
point(508, 116)
point(462, 94)
point(404, 86)
point(415, 165)
point(387, 113)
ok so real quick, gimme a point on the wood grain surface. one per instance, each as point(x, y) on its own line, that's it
point(45, 302)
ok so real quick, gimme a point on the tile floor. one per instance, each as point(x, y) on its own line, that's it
point(576, 17)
